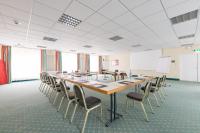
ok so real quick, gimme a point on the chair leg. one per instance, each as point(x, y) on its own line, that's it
point(73, 113)
point(85, 121)
point(51, 93)
point(68, 104)
point(156, 100)
point(43, 88)
point(160, 96)
point(144, 111)
point(40, 86)
point(150, 106)
point(55, 98)
point(126, 105)
point(162, 93)
point(61, 101)
point(101, 112)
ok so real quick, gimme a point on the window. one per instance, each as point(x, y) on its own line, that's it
point(94, 63)
point(25, 63)
point(69, 62)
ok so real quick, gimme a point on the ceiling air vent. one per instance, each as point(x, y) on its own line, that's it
point(187, 45)
point(49, 39)
point(147, 49)
point(186, 36)
point(69, 20)
point(116, 38)
point(87, 46)
point(72, 50)
point(137, 45)
point(184, 17)
point(40, 46)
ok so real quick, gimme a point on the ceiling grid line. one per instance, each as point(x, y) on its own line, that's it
point(141, 21)
point(169, 20)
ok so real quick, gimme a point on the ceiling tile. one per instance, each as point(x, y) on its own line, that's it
point(134, 25)
point(59, 4)
point(96, 19)
point(95, 4)
point(17, 28)
point(78, 11)
point(156, 18)
point(11, 12)
point(41, 21)
point(171, 3)
point(133, 3)
point(85, 27)
point(98, 31)
point(46, 11)
point(110, 26)
point(125, 18)
point(186, 28)
point(39, 28)
point(113, 9)
point(183, 8)
point(24, 5)
point(149, 8)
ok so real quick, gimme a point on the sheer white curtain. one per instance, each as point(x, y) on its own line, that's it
point(69, 62)
point(25, 63)
point(94, 63)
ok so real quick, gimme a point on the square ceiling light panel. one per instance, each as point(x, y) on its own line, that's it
point(69, 20)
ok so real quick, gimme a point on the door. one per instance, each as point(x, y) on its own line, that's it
point(188, 67)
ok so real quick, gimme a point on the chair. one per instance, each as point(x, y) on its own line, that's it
point(139, 97)
point(70, 96)
point(164, 85)
point(42, 84)
point(154, 89)
point(88, 103)
point(123, 75)
point(55, 88)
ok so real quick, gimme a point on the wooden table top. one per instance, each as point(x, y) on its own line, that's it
point(104, 87)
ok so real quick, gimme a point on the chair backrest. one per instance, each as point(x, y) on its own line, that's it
point(80, 96)
point(123, 75)
point(147, 89)
point(158, 82)
point(64, 88)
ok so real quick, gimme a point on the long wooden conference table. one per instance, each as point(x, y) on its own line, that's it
point(108, 88)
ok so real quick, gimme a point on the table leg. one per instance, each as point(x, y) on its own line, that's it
point(113, 110)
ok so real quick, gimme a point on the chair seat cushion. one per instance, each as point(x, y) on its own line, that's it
point(135, 96)
point(92, 101)
point(143, 88)
point(153, 84)
point(71, 95)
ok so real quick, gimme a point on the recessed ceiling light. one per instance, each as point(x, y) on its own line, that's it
point(137, 45)
point(116, 38)
point(49, 39)
point(87, 46)
point(69, 20)
point(186, 36)
point(184, 17)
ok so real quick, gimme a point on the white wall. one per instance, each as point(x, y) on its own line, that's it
point(124, 62)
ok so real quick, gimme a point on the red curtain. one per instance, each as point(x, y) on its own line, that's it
point(5, 67)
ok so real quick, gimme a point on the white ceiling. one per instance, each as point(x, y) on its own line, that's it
point(144, 22)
